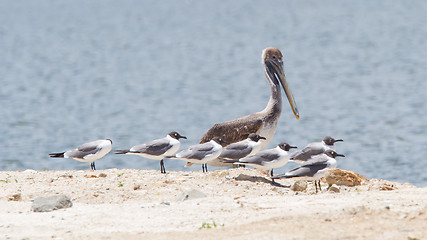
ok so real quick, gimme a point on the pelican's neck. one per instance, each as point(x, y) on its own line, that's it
point(271, 113)
point(274, 105)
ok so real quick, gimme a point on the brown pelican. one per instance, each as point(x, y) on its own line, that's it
point(264, 122)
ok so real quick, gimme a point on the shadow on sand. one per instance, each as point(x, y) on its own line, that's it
point(244, 177)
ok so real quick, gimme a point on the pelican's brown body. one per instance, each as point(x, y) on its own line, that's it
point(264, 122)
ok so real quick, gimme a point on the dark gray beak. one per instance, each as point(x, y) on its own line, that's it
point(277, 74)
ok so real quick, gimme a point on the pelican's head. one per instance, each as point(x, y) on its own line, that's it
point(272, 60)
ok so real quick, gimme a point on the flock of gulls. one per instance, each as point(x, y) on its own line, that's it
point(237, 142)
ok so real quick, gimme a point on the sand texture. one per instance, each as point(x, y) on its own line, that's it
point(232, 204)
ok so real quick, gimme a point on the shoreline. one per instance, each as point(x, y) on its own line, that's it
point(238, 204)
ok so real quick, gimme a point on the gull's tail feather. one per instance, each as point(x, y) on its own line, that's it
point(57, 155)
point(122, 151)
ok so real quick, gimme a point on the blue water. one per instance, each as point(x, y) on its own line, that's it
point(77, 71)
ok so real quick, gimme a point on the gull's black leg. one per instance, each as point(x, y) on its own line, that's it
point(205, 167)
point(315, 185)
point(320, 187)
point(92, 166)
point(162, 167)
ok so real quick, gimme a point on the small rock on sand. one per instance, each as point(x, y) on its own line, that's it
point(193, 194)
point(334, 188)
point(51, 203)
point(15, 197)
point(299, 186)
point(344, 177)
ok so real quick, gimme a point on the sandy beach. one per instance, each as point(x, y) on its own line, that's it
point(239, 204)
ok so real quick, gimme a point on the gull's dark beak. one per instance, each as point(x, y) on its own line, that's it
point(339, 155)
point(276, 73)
point(338, 140)
point(260, 137)
point(180, 136)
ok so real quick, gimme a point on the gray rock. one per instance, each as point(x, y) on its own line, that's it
point(299, 186)
point(193, 194)
point(51, 203)
point(334, 188)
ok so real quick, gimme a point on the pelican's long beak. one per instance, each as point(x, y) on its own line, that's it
point(277, 74)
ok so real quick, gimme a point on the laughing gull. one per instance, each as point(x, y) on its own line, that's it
point(202, 153)
point(157, 149)
point(269, 159)
point(314, 168)
point(88, 152)
point(238, 150)
point(312, 149)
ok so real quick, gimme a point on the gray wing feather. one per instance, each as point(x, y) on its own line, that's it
point(87, 147)
point(82, 152)
point(155, 147)
point(307, 152)
point(197, 151)
point(237, 146)
point(261, 157)
point(202, 147)
point(303, 171)
point(316, 160)
point(235, 151)
point(192, 154)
